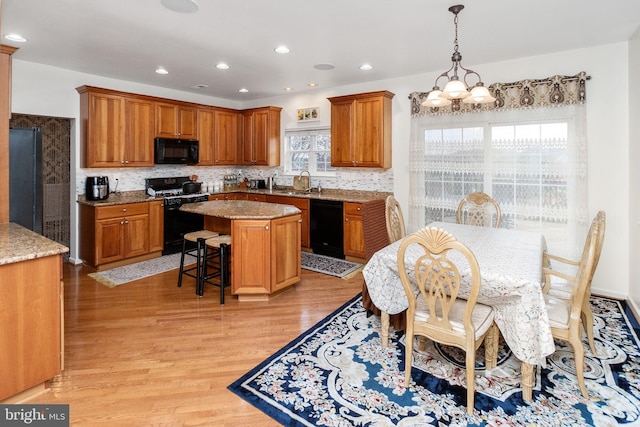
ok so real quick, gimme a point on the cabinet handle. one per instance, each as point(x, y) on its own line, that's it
point(346, 220)
point(358, 209)
point(126, 221)
point(121, 222)
point(266, 227)
point(300, 221)
point(124, 209)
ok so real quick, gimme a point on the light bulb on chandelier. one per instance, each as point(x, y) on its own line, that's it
point(457, 90)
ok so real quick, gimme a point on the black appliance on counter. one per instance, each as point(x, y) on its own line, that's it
point(326, 228)
point(176, 222)
point(97, 188)
point(175, 151)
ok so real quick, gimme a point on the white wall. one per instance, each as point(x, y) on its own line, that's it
point(47, 91)
point(634, 171)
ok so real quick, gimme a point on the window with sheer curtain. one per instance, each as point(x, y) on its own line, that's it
point(531, 160)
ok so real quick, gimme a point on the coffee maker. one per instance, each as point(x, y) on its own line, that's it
point(97, 188)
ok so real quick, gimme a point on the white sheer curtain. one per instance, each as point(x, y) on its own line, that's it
point(532, 160)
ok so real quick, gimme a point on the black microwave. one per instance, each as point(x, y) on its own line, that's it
point(175, 151)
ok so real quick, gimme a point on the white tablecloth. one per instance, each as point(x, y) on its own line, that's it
point(511, 271)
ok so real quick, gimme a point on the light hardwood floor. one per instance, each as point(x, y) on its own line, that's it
point(149, 353)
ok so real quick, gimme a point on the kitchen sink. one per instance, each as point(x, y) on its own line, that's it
point(293, 192)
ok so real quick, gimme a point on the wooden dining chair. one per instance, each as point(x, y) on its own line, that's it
point(395, 221)
point(561, 284)
point(566, 317)
point(479, 209)
point(435, 309)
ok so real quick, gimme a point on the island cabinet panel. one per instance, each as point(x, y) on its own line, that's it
point(361, 130)
point(174, 120)
point(303, 205)
point(31, 327)
point(285, 245)
point(353, 230)
point(251, 260)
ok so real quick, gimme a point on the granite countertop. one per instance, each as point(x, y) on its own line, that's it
point(18, 243)
point(240, 209)
point(355, 196)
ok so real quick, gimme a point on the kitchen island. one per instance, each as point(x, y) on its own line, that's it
point(265, 244)
point(31, 312)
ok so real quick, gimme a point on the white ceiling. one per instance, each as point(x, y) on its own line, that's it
point(128, 39)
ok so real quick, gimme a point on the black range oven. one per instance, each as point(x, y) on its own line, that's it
point(176, 222)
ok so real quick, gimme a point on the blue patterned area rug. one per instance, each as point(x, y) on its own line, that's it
point(337, 374)
point(328, 265)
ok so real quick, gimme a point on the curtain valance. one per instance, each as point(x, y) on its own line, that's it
point(558, 90)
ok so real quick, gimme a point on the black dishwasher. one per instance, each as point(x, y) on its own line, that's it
point(326, 227)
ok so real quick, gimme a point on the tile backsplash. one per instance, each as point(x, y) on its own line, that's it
point(130, 179)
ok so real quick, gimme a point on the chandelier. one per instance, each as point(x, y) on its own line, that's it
point(457, 90)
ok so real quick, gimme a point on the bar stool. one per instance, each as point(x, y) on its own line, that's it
point(216, 263)
point(192, 246)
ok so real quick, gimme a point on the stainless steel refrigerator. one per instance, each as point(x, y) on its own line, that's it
point(25, 178)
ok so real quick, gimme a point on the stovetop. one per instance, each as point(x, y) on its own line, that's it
point(171, 189)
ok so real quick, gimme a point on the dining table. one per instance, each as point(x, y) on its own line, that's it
point(510, 264)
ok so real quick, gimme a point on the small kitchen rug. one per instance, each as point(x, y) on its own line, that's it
point(129, 273)
point(331, 266)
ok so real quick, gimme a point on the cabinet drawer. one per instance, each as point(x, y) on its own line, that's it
point(116, 211)
point(352, 208)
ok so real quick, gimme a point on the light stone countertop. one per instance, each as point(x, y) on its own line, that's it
point(240, 209)
point(355, 196)
point(18, 243)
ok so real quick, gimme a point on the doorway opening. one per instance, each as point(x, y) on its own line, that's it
point(56, 173)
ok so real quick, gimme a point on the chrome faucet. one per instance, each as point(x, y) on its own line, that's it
point(308, 189)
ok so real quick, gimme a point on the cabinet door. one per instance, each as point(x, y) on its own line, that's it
point(255, 138)
point(206, 121)
point(342, 121)
point(109, 240)
point(105, 131)
point(166, 120)
point(368, 152)
point(251, 261)
point(285, 242)
point(353, 231)
point(156, 226)
point(227, 135)
point(140, 122)
point(187, 122)
point(136, 236)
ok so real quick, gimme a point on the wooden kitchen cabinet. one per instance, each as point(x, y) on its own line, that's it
point(353, 231)
point(113, 233)
point(261, 136)
point(361, 130)
point(256, 270)
point(303, 205)
point(116, 130)
point(156, 226)
point(226, 140)
point(175, 120)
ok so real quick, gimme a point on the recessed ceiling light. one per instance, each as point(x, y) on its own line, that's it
point(243, 90)
point(161, 70)
point(288, 89)
point(200, 86)
point(222, 66)
point(313, 85)
point(366, 67)
point(282, 49)
point(324, 66)
point(181, 6)
point(15, 38)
